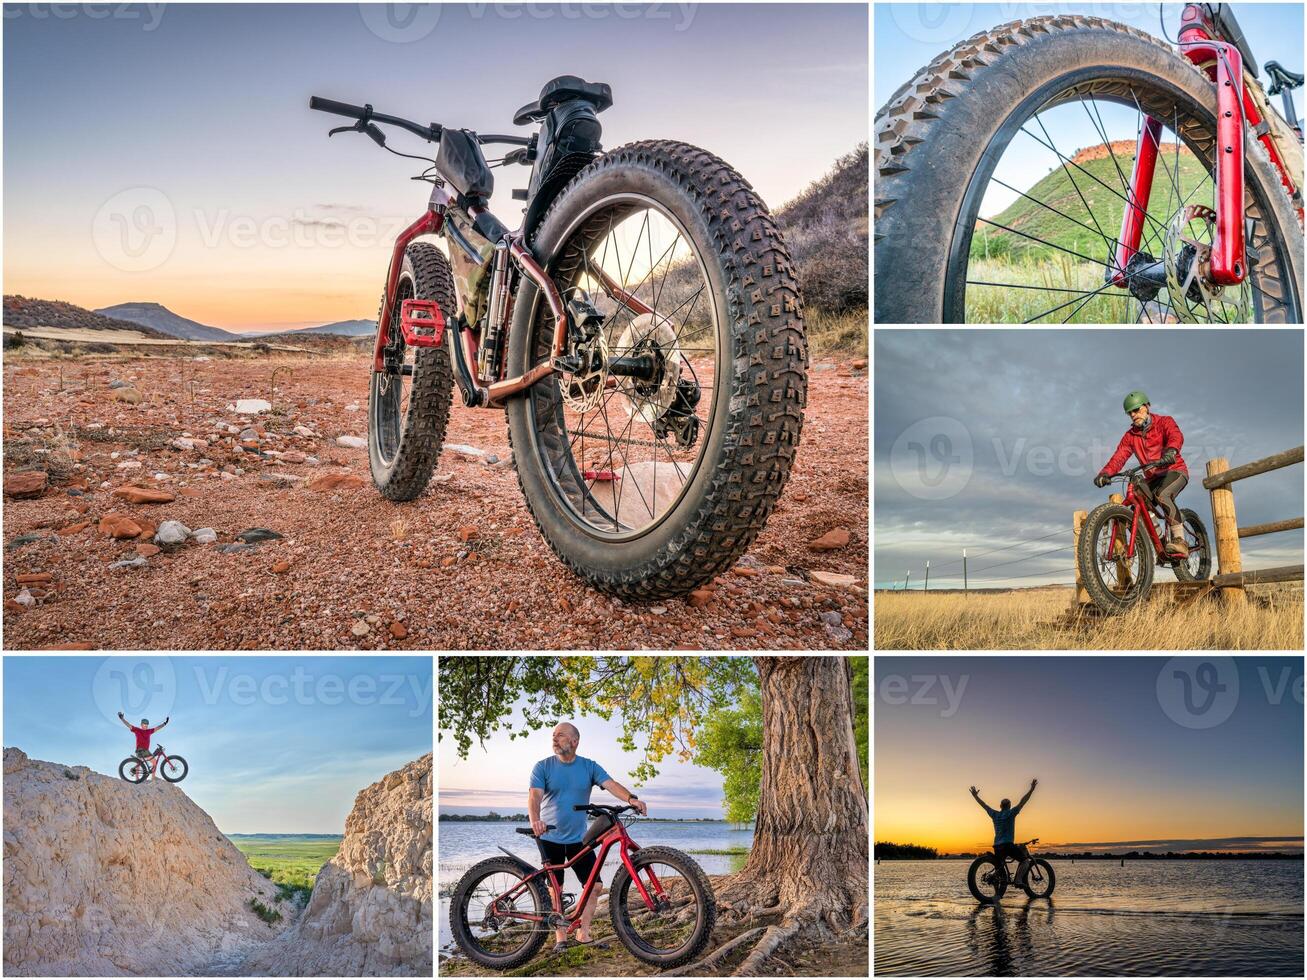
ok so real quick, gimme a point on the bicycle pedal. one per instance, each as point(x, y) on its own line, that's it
point(421, 323)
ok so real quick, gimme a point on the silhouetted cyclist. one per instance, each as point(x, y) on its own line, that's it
point(1005, 827)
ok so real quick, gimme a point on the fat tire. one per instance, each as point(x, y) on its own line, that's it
point(422, 433)
point(1086, 557)
point(933, 131)
point(699, 884)
point(1182, 572)
point(122, 770)
point(1048, 872)
point(458, 918)
point(762, 389)
point(173, 758)
point(976, 865)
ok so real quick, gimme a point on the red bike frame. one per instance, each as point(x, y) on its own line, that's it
point(616, 835)
point(155, 759)
point(1222, 63)
point(1140, 507)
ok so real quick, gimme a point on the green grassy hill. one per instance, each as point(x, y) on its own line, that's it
point(1106, 208)
point(293, 860)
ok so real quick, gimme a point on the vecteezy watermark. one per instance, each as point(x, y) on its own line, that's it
point(924, 689)
point(1278, 686)
point(149, 14)
point(139, 687)
point(305, 687)
point(932, 459)
point(933, 22)
point(136, 229)
point(400, 23)
point(1198, 692)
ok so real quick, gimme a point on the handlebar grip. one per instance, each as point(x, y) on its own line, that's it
point(339, 108)
point(580, 806)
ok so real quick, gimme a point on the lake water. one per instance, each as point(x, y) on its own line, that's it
point(461, 844)
point(1148, 918)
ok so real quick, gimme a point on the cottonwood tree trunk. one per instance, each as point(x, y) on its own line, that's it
point(808, 864)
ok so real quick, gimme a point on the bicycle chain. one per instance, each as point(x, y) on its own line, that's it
point(653, 443)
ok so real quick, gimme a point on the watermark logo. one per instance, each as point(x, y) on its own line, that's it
point(139, 687)
point(1198, 692)
point(933, 459)
point(933, 22)
point(136, 229)
point(400, 23)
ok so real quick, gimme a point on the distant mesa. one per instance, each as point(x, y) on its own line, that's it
point(166, 321)
point(1121, 149)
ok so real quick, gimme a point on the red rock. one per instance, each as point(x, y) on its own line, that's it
point(117, 526)
point(188, 492)
point(30, 483)
point(743, 632)
point(565, 604)
point(467, 532)
point(80, 506)
point(148, 529)
point(859, 365)
point(293, 457)
point(398, 630)
point(280, 567)
point(35, 578)
point(744, 571)
point(144, 495)
point(147, 550)
point(447, 562)
point(14, 606)
point(831, 540)
point(700, 597)
point(336, 481)
point(73, 528)
point(776, 569)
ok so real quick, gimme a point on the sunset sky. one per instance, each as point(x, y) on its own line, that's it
point(1113, 766)
point(189, 125)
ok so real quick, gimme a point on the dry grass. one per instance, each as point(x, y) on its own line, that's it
point(1036, 619)
point(836, 333)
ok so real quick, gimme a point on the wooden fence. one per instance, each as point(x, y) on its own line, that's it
point(1230, 578)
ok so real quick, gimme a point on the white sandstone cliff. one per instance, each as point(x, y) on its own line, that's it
point(106, 878)
point(370, 913)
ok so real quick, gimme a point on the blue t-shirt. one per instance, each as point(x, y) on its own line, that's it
point(565, 785)
point(1005, 824)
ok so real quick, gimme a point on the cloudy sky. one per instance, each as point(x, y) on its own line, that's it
point(1131, 753)
point(985, 438)
point(166, 152)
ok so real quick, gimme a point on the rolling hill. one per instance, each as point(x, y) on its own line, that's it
point(1070, 194)
point(343, 328)
point(20, 311)
point(166, 321)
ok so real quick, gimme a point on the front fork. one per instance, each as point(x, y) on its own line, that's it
point(1227, 265)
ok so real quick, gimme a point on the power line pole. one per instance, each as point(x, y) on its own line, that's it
point(926, 588)
point(907, 582)
point(964, 571)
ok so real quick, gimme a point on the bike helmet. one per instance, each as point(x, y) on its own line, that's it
point(1134, 400)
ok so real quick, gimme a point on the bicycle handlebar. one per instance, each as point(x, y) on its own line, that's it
point(610, 810)
point(431, 132)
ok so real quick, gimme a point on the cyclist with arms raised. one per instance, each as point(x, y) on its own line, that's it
point(1154, 438)
point(1005, 828)
point(143, 736)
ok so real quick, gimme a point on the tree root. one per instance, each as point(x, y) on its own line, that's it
point(716, 956)
point(773, 937)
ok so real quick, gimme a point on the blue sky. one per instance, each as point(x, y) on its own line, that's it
point(275, 744)
point(207, 104)
point(907, 36)
point(495, 777)
point(1039, 412)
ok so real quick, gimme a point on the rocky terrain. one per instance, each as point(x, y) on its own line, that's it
point(370, 913)
point(197, 503)
point(106, 878)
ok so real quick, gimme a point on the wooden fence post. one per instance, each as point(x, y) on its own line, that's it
point(1226, 529)
point(1080, 597)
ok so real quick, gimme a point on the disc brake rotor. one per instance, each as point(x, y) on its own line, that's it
point(1192, 293)
point(650, 402)
point(583, 390)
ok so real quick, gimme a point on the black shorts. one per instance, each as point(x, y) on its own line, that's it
point(1016, 851)
point(555, 853)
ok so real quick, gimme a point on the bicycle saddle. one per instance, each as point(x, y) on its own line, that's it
point(564, 88)
point(1281, 78)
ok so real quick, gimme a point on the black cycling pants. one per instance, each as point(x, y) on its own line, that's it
point(1163, 490)
point(1018, 852)
point(555, 853)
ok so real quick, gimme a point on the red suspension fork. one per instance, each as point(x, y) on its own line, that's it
point(1141, 188)
point(428, 224)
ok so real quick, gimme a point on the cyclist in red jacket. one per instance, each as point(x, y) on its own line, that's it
point(1153, 438)
point(143, 736)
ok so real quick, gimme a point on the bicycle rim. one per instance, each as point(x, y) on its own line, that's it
point(1037, 883)
point(1046, 264)
point(672, 924)
point(620, 451)
point(490, 924)
point(991, 881)
point(390, 399)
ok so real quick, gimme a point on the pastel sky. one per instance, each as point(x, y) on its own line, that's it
point(1109, 740)
point(128, 127)
point(275, 744)
point(495, 777)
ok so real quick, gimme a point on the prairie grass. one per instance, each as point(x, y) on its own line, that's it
point(289, 862)
point(1036, 619)
point(836, 333)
